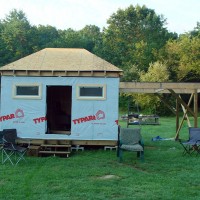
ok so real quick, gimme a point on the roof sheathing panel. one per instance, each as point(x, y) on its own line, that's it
point(63, 60)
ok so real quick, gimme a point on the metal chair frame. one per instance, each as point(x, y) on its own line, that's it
point(10, 150)
point(192, 145)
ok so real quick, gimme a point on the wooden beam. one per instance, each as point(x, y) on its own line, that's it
point(177, 115)
point(181, 101)
point(185, 113)
point(159, 85)
point(195, 108)
point(63, 141)
point(167, 103)
point(95, 142)
point(154, 91)
point(186, 116)
point(61, 73)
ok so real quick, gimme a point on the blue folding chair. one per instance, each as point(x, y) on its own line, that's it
point(193, 143)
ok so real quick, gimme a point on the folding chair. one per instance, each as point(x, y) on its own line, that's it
point(193, 143)
point(1, 140)
point(11, 151)
point(130, 140)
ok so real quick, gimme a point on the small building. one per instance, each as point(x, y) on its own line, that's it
point(61, 93)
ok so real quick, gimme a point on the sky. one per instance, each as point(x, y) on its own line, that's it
point(182, 15)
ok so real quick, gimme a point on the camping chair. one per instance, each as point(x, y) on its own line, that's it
point(193, 144)
point(10, 150)
point(130, 140)
point(1, 140)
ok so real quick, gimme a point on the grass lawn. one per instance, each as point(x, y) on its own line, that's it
point(97, 174)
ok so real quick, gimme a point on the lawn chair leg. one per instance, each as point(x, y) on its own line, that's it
point(198, 151)
point(118, 152)
point(142, 156)
point(20, 157)
point(186, 149)
point(120, 155)
point(7, 156)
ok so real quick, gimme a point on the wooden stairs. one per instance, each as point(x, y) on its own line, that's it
point(51, 147)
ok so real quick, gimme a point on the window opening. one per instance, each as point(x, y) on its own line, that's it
point(95, 92)
point(27, 91)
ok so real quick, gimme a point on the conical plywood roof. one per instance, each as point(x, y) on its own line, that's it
point(62, 60)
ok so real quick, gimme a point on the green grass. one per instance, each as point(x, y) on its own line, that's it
point(165, 174)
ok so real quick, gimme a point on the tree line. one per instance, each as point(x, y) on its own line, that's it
point(136, 40)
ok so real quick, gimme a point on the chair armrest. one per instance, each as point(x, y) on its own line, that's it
point(5, 142)
point(26, 141)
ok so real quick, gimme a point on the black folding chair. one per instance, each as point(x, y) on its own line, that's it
point(193, 143)
point(11, 151)
point(1, 140)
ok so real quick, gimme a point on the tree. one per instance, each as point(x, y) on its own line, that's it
point(4, 52)
point(157, 72)
point(16, 36)
point(133, 36)
point(196, 31)
point(182, 57)
point(70, 39)
point(91, 36)
point(131, 73)
point(46, 36)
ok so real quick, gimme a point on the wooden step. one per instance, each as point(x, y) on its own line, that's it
point(55, 145)
point(55, 152)
point(55, 149)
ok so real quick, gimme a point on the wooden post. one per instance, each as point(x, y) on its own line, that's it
point(195, 108)
point(177, 117)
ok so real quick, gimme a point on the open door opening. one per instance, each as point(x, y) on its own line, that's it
point(59, 104)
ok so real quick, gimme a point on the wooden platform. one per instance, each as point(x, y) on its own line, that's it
point(55, 149)
point(44, 147)
point(36, 142)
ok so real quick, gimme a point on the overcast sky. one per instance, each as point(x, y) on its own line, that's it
point(181, 15)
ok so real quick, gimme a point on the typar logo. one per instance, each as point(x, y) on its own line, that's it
point(19, 113)
point(98, 116)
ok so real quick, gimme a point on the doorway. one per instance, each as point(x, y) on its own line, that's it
point(58, 113)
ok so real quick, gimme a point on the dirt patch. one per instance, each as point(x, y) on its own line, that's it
point(110, 176)
point(150, 147)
